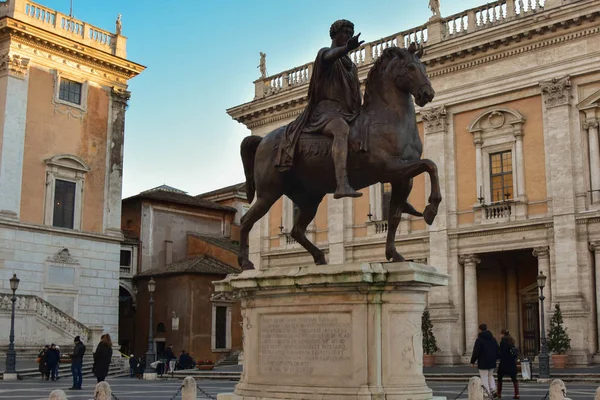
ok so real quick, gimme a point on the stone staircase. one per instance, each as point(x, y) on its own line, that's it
point(38, 322)
point(229, 359)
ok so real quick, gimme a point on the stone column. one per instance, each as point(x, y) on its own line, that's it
point(591, 125)
point(595, 248)
point(470, 261)
point(543, 256)
point(13, 68)
point(116, 137)
point(335, 230)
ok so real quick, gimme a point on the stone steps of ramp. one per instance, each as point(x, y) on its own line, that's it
point(64, 370)
point(222, 375)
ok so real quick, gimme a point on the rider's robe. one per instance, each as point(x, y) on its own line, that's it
point(334, 91)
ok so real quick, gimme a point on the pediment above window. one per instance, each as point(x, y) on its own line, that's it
point(68, 161)
point(498, 118)
point(590, 102)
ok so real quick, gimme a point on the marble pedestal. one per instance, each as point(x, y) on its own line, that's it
point(334, 332)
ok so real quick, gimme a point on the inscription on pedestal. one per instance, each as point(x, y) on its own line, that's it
point(306, 344)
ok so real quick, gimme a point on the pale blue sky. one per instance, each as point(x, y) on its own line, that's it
point(202, 58)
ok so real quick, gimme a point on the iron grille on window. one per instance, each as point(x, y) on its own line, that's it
point(501, 177)
point(64, 204)
point(70, 91)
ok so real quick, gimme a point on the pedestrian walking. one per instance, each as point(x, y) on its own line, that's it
point(170, 358)
point(485, 354)
point(102, 358)
point(77, 363)
point(132, 364)
point(508, 362)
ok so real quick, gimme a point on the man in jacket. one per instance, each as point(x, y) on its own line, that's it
point(485, 353)
point(77, 363)
point(170, 357)
point(52, 358)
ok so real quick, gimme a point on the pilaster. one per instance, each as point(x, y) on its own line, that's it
point(14, 69)
point(116, 137)
point(557, 95)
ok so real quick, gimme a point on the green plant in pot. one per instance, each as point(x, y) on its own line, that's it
point(559, 341)
point(429, 343)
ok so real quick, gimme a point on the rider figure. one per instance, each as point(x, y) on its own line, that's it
point(334, 99)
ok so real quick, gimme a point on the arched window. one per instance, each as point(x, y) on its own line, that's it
point(160, 328)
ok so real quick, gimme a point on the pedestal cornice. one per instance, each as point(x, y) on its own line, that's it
point(370, 274)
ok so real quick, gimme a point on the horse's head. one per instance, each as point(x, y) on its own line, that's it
point(403, 69)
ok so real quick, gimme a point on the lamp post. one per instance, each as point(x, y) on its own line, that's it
point(150, 355)
point(544, 359)
point(11, 354)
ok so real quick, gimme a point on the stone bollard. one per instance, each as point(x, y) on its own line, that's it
point(57, 395)
point(597, 397)
point(558, 390)
point(475, 388)
point(189, 389)
point(102, 391)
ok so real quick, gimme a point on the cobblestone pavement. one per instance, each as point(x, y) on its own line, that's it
point(133, 389)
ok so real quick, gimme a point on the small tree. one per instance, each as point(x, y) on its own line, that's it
point(429, 342)
point(558, 338)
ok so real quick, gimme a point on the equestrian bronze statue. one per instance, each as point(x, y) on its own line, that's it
point(381, 142)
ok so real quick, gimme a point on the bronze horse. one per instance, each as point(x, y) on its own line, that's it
point(384, 146)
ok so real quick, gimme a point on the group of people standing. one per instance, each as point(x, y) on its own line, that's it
point(49, 359)
point(486, 352)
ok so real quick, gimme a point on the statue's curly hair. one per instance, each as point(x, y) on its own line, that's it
point(338, 26)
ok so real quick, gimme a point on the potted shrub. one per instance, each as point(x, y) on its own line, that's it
point(558, 339)
point(429, 343)
point(205, 365)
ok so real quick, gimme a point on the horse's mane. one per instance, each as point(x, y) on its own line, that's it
point(378, 66)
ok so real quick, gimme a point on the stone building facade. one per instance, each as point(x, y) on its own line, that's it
point(63, 97)
point(184, 242)
point(513, 130)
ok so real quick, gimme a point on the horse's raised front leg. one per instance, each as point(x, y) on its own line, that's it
point(410, 169)
point(308, 207)
point(400, 192)
point(256, 212)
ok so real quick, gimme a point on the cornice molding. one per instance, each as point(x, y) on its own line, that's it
point(531, 45)
point(68, 49)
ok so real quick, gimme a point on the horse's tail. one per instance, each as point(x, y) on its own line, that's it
point(248, 152)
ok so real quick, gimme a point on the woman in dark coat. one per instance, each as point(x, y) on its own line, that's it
point(102, 357)
point(43, 368)
point(508, 362)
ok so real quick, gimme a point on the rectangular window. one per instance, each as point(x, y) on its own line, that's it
point(125, 258)
point(386, 196)
point(64, 204)
point(70, 91)
point(295, 212)
point(221, 328)
point(501, 177)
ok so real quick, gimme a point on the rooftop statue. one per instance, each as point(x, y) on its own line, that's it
point(263, 65)
point(340, 144)
point(434, 6)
